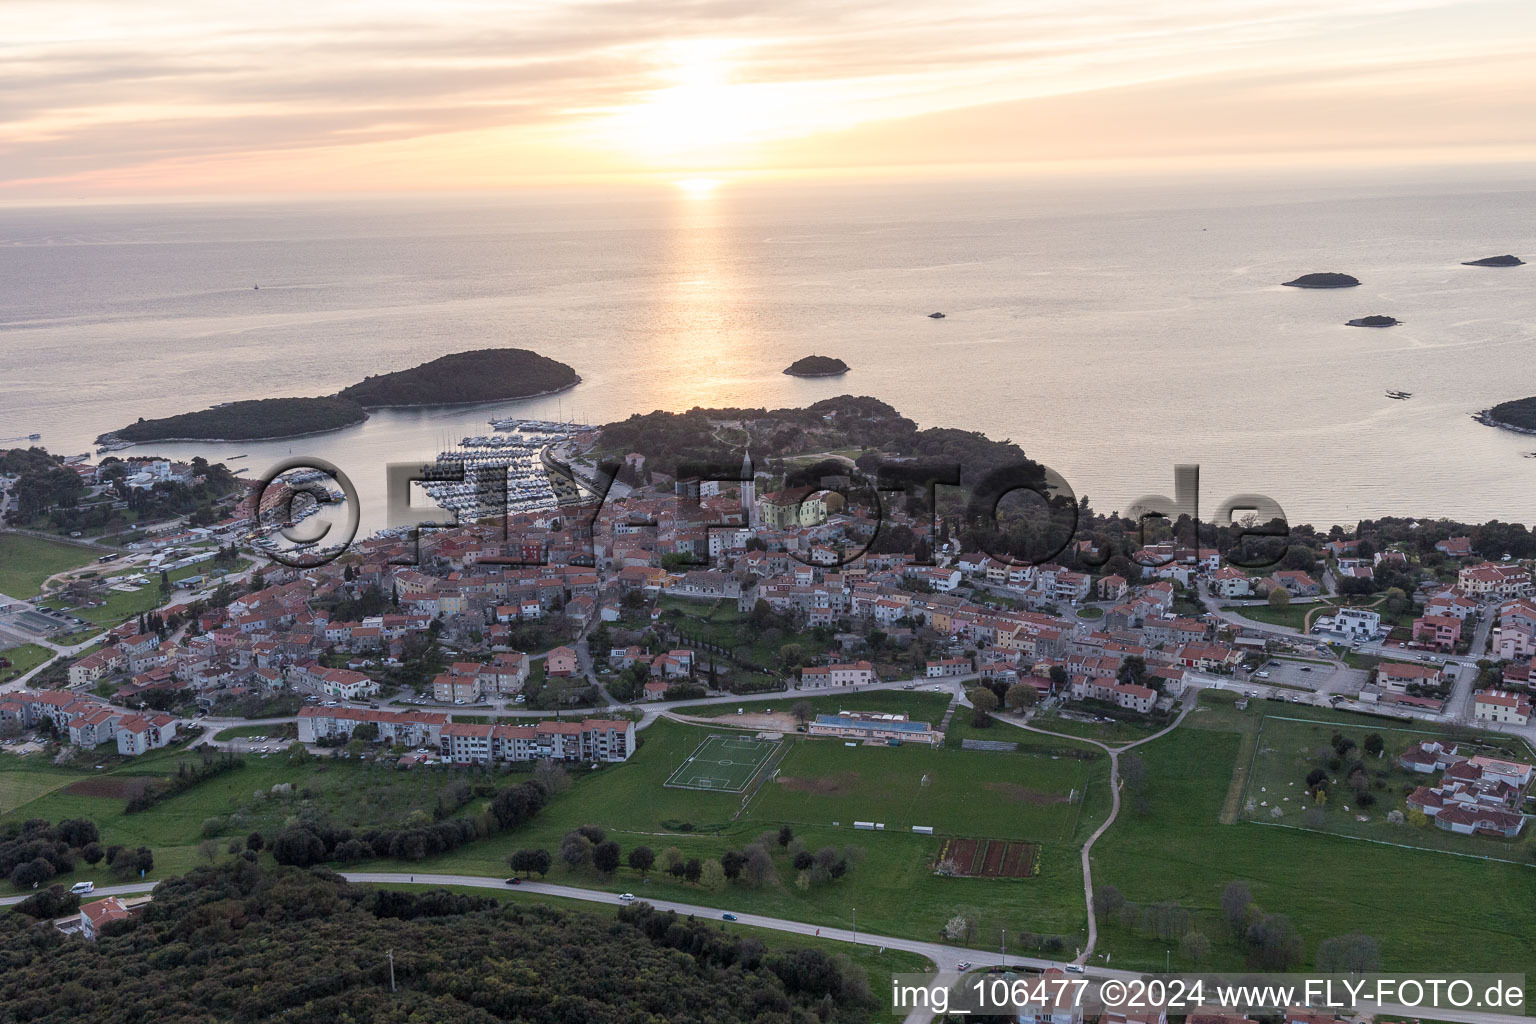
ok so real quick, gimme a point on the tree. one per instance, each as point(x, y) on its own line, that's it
point(32, 872)
point(1279, 597)
point(759, 865)
point(802, 710)
point(983, 700)
point(254, 842)
point(606, 857)
point(1195, 947)
point(693, 869)
point(209, 850)
point(786, 834)
point(575, 850)
point(712, 875)
point(1273, 944)
point(298, 846)
point(1020, 696)
point(1107, 899)
point(641, 858)
point(92, 853)
point(1235, 900)
point(1349, 954)
point(731, 862)
point(1133, 668)
point(1374, 744)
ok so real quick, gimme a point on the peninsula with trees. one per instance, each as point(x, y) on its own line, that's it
point(463, 378)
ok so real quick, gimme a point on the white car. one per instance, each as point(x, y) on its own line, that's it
point(626, 896)
point(81, 888)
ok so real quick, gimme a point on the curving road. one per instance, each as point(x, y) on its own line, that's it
point(946, 958)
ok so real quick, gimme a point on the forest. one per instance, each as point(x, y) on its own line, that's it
point(240, 943)
point(248, 421)
point(484, 375)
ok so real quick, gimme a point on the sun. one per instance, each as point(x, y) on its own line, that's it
point(700, 112)
point(698, 188)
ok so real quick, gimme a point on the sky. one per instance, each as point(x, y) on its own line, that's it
point(163, 98)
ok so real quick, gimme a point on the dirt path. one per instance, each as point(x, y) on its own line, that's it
point(1189, 702)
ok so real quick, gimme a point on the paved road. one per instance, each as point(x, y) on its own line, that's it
point(100, 892)
point(946, 958)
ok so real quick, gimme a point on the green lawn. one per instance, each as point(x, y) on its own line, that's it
point(120, 605)
point(26, 561)
point(1290, 615)
point(985, 794)
point(919, 705)
point(23, 779)
point(23, 659)
point(1429, 911)
point(1289, 747)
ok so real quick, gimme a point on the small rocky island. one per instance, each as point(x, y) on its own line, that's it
point(1373, 321)
point(464, 378)
point(817, 366)
point(1496, 261)
point(935, 316)
point(1323, 281)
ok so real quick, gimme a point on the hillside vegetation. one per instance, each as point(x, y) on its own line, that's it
point(249, 421)
point(485, 375)
point(238, 943)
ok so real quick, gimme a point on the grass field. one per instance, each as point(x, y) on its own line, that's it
point(919, 704)
point(1290, 615)
point(120, 605)
point(26, 561)
point(722, 763)
point(955, 792)
point(1287, 748)
point(23, 659)
point(1428, 910)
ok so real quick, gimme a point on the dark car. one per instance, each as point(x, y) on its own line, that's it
point(727, 917)
point(514, 881)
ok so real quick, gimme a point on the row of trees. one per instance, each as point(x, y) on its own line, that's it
point(302, 845)
point(589, 848)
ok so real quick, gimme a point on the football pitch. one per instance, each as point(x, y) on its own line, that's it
point(722, 764)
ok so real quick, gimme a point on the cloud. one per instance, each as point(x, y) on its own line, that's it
point(94, 93)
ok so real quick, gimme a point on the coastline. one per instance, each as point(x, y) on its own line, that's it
point(114, 439)
point(110, 438)
point(479, 401)
point(1485, 417)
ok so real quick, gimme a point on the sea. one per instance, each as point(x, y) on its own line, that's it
point(1112, 326)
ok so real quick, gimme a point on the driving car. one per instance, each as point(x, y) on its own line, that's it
point(514, 881)
point(963, 965)
point(81, 888)
point(727, 917)
point(626, 896)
